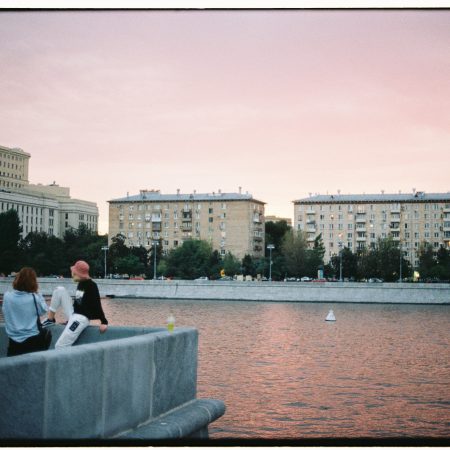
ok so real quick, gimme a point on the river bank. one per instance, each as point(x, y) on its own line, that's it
point(397, 293)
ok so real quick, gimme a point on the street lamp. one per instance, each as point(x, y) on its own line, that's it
point(105, 249)
point(154, 243)
point(401, 258)
point(340, 257)
point(270, 247)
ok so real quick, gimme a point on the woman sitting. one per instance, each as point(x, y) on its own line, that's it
point(21, 310)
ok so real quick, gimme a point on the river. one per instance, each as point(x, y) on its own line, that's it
point(379, 371)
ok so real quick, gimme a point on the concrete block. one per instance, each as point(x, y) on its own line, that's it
point(128, 380)
point(176, 370)
point(22, 396)
point(75, 379)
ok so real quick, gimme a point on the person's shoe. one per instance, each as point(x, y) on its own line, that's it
point(48, 322)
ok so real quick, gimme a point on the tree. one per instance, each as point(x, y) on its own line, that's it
point(143, 257)
point(231, 264)
point(87, 245)
point(46, 254)
point(314, 257)
point(427, 260)
point(191, 260)
point(248, 266)
point(117, 251)
point(349, 264)
point(9, 239)
point(129, 264)
point(443, 264)
point(294, 248)
point(275, 232)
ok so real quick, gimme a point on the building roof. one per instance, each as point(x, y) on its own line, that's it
point(14, 150)
point(377, 198)
point(156, 196)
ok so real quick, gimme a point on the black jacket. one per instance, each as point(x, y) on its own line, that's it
point(87, 301)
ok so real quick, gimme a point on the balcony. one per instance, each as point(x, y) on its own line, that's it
point(361, 229)
point(311, 229)
point(258, 239)
point(395, 218)
point(156, 227)
point(360, 219)
point(186, 226)
point(361, 238)
point(156, 217)
point(310, 238)
point(396, 210)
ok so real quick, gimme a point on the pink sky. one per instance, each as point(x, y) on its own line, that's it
point(282, 103)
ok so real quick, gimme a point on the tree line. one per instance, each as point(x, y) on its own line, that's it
point(292, 256)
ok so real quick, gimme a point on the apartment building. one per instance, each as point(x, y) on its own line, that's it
point(46, 208)
point(231, 222)
point(357, 221)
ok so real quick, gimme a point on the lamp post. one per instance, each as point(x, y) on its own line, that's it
point(401, 257)
point(270, 247)
point(154, 243)
point(340, 258)
point(105, 249)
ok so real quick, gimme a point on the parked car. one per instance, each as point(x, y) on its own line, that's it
point(226, 278)
point(202, 279)
point(290, 279)
point(375, 280)
point(305, 279)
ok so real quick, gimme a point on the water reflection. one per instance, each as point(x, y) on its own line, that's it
point(283, 372)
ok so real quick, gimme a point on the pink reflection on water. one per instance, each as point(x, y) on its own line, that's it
point(283, 372)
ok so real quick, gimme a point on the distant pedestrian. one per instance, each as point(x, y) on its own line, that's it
point(22, 309)
point(86, 306)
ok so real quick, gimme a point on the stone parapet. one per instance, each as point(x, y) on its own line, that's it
point(403, 293)
point(108, 386)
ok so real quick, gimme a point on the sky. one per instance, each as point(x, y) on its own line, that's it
point(282, 103)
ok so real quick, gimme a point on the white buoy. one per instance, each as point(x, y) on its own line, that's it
point(330, 317)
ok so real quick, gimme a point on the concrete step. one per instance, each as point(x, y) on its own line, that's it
point(188, 421)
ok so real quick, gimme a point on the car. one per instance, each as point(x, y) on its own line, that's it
point(290, 279)
point(136, 278)
point(375, 280)
point(202, 279)
point(226, 278)
point(305, 279)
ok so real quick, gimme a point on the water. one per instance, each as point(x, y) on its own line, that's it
point(379, 371)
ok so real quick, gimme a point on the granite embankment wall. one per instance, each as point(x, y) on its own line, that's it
point(128, 383)
point(405, 293)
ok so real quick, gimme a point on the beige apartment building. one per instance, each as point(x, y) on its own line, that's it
point(357, 221)
point(41, 208)
point(231, 222)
